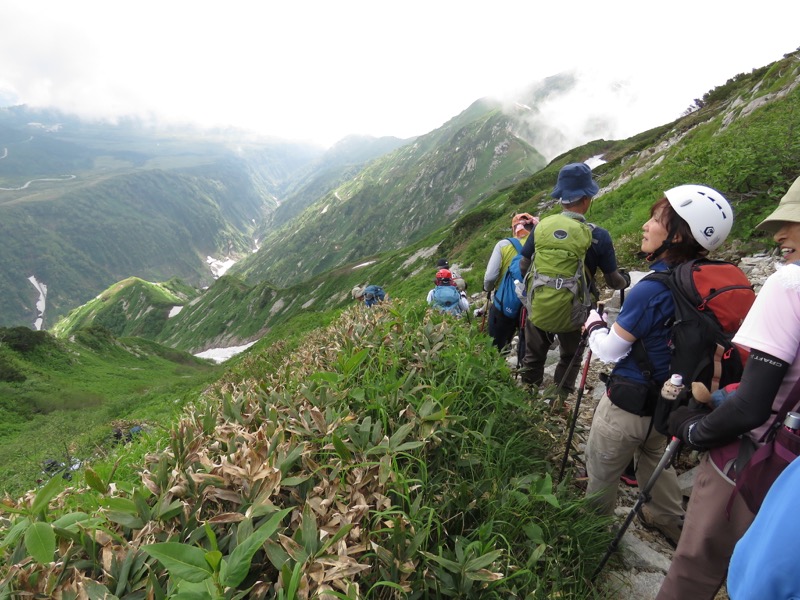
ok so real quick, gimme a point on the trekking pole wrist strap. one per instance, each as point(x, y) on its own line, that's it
point(595, 326)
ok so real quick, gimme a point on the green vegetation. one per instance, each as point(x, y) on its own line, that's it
point(129, 308)
point(397, 199)
point(381, 453)
point(60, 400)
point(743, 144)
point(388, 455)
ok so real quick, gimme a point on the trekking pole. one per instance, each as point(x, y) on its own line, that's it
point(578, 352)
point(577, 408)
point(644, 496)
point(523, 316)
point(485, 311)
point(581, 346)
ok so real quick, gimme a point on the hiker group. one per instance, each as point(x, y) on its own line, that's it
point(697, 360)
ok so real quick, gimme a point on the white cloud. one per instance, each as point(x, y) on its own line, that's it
point(321, 70)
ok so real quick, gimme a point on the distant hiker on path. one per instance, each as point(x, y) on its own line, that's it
point(575, 188)
point(443, 263)
point(445, 296)
point(369, 294)
point(622, 426)
point(771, 331)
point(501, 327)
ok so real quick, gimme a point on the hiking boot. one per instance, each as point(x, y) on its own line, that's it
point(669, 527)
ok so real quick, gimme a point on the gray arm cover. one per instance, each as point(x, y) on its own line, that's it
point(608, 346)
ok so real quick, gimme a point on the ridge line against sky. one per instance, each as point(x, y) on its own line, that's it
point(319, 71)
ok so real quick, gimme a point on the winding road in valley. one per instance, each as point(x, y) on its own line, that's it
point(28, 183)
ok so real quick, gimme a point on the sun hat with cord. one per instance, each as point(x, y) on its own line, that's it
point(520, 220)
point(574, 182)
point(788, 210)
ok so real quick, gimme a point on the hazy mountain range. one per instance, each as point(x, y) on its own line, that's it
point(124, 203)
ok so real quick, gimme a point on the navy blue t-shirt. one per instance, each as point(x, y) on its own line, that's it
point(647, 310)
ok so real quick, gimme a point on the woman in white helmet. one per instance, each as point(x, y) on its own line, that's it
point(687, 223)
point(764, 562)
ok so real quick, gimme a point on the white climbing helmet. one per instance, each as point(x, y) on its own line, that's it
point(707, 212)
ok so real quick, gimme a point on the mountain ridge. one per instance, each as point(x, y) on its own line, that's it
point(730, 139)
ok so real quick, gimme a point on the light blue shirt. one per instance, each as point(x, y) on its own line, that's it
point(764, 564)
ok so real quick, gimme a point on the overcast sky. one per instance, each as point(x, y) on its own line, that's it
point(322, 69)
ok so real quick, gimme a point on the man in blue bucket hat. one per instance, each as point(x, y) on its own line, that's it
point(575, 189)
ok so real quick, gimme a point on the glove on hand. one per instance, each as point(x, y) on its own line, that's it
point(626, 276)
point(593, 322)
point(681, 422)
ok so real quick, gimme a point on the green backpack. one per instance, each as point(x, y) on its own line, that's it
point(558, 290)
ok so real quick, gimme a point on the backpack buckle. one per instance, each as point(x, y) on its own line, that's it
point(559, 282)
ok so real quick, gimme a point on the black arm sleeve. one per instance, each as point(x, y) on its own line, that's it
point(527, 249)
point(746, 408)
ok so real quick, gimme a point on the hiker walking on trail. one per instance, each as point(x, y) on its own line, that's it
point(638, 342)
point(502, 325)
point(549, 313)
point(369, 294)
point(459, 282)
point(445, 296)
point(749, 416)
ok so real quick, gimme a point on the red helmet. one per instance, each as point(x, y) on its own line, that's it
point(443, 277)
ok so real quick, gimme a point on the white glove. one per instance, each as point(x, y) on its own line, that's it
point(594, 321)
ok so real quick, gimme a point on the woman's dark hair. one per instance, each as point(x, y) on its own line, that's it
point(676, 252)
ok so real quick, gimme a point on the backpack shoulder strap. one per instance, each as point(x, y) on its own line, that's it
point(516, 243)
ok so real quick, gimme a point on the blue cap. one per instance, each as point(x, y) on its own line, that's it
point(574, 182)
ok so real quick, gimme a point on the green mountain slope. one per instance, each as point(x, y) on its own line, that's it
point(60, 397)
point(742, 142)
point(83, 205)
point(341, 163)
point(130, 308)
point(399, 198)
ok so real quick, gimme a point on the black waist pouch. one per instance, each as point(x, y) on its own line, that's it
point(632, 396)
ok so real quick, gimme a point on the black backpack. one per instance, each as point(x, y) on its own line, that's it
point(712, 298)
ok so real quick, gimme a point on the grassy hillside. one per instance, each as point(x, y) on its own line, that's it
point(130, 308)
point(389, 454)
point(60, 399)
point(742, 142)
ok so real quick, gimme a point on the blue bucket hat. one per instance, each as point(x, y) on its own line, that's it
point(574, 182)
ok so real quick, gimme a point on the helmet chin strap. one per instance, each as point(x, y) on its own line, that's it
point(667, 243)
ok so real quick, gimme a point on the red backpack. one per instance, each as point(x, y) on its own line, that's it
point(712, 298)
